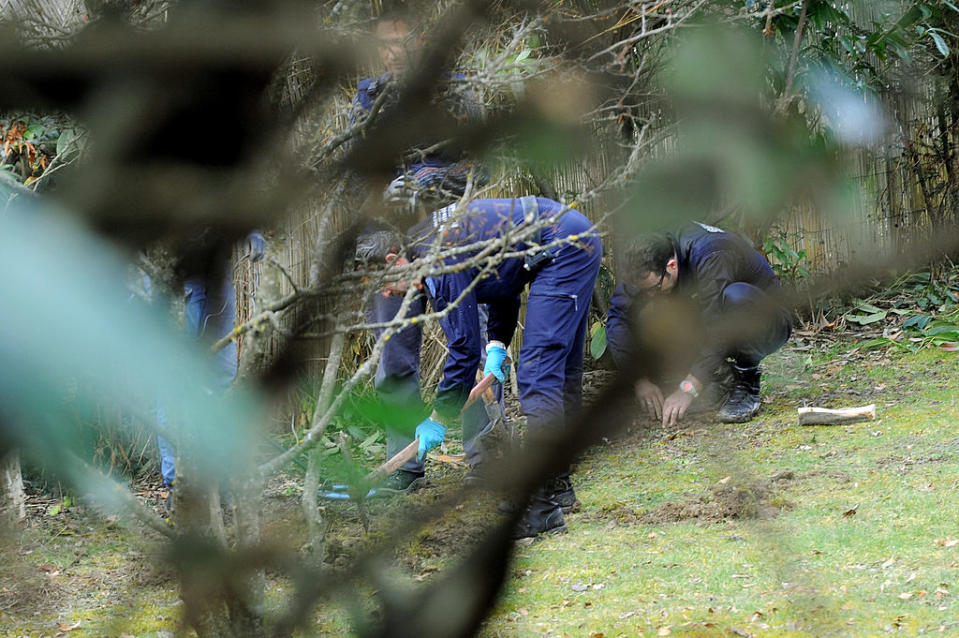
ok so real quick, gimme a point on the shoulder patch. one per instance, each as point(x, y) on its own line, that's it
point(443, 215)
point(708, 228)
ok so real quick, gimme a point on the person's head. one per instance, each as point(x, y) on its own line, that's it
point(396, 41)
point(651, 263)
point(373, 248)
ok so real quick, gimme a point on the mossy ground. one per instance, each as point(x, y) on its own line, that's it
point(767, 528)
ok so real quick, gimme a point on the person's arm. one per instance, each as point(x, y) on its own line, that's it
point(462, 330)
point(255, 246)
point(619, 334)
point(621, 341)
point(361, 104)
point(501, 324)
point(714, 272)
point(503, 317)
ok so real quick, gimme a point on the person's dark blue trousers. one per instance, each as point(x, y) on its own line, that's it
point(768, 324)
point(397, 382)
point(208, 316)
point(550, 369)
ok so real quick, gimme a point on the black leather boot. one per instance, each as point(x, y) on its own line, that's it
point(561, 490)
point(743, 402)
point(543, 516)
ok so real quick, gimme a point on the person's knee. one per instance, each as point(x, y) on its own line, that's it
point(740, 294)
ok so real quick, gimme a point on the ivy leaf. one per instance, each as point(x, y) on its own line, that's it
point(868, 307)
point(865, 320)
point(940, 44)
point(597, 342)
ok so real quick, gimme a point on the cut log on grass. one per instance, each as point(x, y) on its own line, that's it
point(826, 416)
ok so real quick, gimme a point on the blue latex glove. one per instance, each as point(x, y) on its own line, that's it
point(496, 362)
point(430, 433)
point(255, 246)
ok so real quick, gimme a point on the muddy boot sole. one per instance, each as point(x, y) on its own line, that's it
point(737, 418)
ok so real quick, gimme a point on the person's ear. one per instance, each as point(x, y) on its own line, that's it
point(391, 258)
point(672, 266)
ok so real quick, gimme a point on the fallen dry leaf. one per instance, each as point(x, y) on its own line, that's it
point(723, 481)
point(65, 627)
point(664, 631)
point(50, 570)
point(578, 586)
point(851, 511)
point(905, 596)
point(947, 542)
point(449, 459)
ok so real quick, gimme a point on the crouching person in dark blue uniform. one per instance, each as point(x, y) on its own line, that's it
point(561, 279)
point(741, 316)
point(431, 176)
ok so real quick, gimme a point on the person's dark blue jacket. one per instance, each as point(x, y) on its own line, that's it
point(500, 289)
point(463, 105)
point(709, 260)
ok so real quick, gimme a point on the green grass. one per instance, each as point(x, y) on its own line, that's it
point(856, 549)
point(859, 543)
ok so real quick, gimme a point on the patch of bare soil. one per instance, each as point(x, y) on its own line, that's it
point(619, 513)
point(903, 464)
point(23, 584)
point(836, 475)
point(408, 525)
point(729, 501)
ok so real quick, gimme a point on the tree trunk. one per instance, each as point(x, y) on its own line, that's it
point(12, 503)
point(317, 527)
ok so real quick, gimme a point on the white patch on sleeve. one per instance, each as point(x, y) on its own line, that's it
point(708, 228)
point(443, 215)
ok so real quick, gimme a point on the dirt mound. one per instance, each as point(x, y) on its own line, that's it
point(750, 499)
point(621, 513)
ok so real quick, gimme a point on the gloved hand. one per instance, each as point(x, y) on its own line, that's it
point(255, 246)
point(400, 192)
point(496, 361)
point(430, 433)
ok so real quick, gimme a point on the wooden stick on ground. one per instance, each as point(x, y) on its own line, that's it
point(404, 455)
point(826, 416)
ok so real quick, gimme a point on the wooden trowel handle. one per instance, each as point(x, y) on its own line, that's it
point(400, 458)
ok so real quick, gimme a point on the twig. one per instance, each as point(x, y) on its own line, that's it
point(791, 73)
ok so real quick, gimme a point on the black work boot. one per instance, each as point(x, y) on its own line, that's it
point(560, 490)
point(543, 516)
point(477, 477)
point(402, 481)
point(743, 402)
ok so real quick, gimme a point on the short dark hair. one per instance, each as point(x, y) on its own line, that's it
point(397, 12)
point(648, 253)
point(373, 247)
